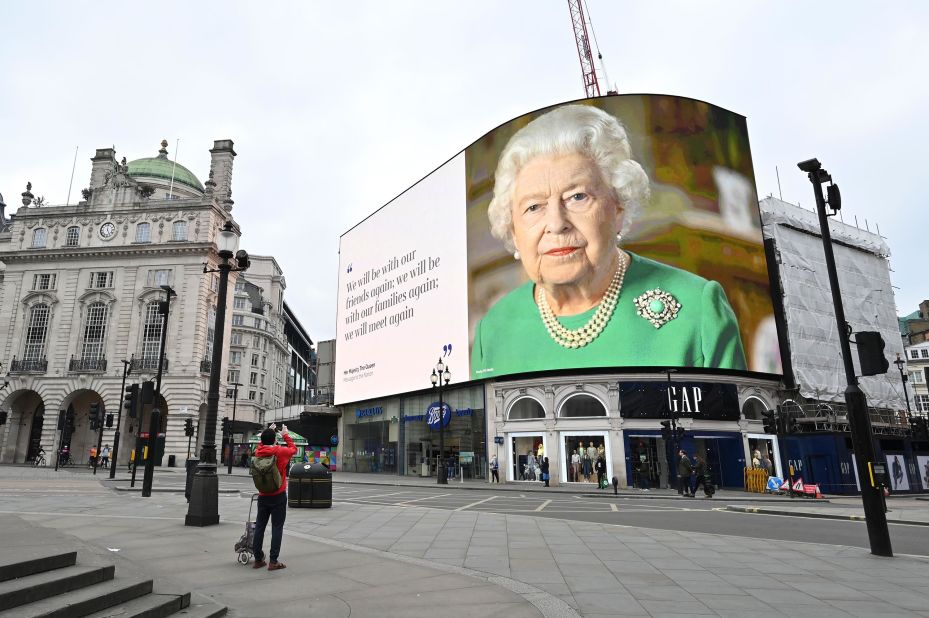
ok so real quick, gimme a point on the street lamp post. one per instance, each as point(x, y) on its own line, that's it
point(235, 396)
point(164, 308)
point(440, 377)
point(900, 363)
point(204, 494)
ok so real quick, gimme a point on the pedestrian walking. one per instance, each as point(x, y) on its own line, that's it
point(644, 472)
point(545, 476)
point(701, 471)
point(600, 468)
point(105, 456)
point(494, 470)
point(684, 469)
point(272, 502)
point(92, 460)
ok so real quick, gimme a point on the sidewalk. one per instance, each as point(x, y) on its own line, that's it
point(368, 560)
point(900, 510)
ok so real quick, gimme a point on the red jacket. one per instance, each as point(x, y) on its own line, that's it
point(283, 454)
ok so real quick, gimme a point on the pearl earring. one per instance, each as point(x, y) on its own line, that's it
point(619, 238)
point(516, 255)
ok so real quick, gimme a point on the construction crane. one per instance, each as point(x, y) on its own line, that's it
point(584, 52)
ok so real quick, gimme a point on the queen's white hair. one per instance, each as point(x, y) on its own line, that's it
point(569, 129)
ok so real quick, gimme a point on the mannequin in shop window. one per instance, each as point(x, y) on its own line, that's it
point(575, 466)
point(591, 457)
point(530, 466)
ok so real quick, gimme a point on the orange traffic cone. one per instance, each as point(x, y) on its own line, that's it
point(819, 494)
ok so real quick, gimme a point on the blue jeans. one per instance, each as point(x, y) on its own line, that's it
point(275, 508)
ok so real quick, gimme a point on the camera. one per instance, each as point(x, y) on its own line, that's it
point(810, 165)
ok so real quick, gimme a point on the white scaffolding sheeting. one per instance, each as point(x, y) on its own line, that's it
point(864, 278)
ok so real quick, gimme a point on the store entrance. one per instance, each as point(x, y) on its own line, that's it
point(526, 452)
point(645, 462)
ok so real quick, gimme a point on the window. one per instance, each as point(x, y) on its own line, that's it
point(916, 377)
point(266, 345)
point(236, 339)
point(256, 341)
point(254, 360)
point(210, 331)
point(92, 347)
point(240, 303)
point(44, 282)
point(143, 232)
point(262, 382)
point(230, 393)
point(235, 358)
point(261, 398)
point(73, 236)
point(103, 279)
point(240, 285)
point(914, 353)
point(253, 378)
point(258, 323)
point(924, 353)
point(36, 332)
point(179, 231)
point(158, 277)
point(582, 405)
point(238, 320)
point(151, 333)
point(232, 376)
point(251, 395)
point(38, 237)
point(922, 403)
point(214, 283)
point(264, 361)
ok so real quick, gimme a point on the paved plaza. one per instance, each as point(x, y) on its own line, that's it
point(408, 559)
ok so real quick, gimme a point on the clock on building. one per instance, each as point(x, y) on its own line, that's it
point(107, 230)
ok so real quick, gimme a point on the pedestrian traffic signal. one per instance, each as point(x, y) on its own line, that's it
point(94, 414)
point(69, 420)
point(131, 400)
point(226, 428)
point(109, 420)
point(666, 430)
point(871, 355)
point(769, 421)
point(188, 427)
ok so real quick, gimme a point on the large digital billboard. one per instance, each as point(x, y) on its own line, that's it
point(614, 232)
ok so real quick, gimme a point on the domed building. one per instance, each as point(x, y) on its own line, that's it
point(80, 287)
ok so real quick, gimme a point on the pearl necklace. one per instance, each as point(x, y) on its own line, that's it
point(584, 335)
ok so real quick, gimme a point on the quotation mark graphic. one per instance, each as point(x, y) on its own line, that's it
point(447, 350)
point(349, 268)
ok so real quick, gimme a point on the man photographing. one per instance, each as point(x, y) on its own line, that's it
point(269, 471)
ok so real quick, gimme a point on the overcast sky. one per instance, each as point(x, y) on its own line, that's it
point(336, 107)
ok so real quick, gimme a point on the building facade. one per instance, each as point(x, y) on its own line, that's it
point(79, 291)
point(916, 371)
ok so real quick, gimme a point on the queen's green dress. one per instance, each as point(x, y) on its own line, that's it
point(704, 332)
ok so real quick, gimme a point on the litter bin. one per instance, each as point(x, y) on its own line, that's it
point(191, 465)
point(309, 486)
point(172, 461)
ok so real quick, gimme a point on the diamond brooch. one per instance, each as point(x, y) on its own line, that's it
point(657, 306)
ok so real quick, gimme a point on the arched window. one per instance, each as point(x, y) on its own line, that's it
point(526, 408)
point(180, 230)
point(143, 232)
point(38, 237)
point(210, 332)
point(92, 347)
point(753, 409)
point(36, 332)
point(151, 335)
point(73, 237)
point(582, 405)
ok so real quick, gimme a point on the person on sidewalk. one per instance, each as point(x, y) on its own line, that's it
point(92, 461)
point(684, 468)
point(644, 472)
point(544, 475)
point(494, 470)
point(700, 474)
point(600, 468)
point(272, 504)
point(105, 456)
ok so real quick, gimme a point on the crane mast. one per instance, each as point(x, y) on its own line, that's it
point(588, 70)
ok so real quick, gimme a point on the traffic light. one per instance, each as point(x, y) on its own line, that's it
point(61, 420)
point(131, 400)
point(790, 423)
point(666, 430)
point(769, 421)
point(188, 427)
point(109, 421)
point(69, 420)
point(226, 427)
point(94, 414)
point(871, 353)
point(680, 433)
point(148, 392)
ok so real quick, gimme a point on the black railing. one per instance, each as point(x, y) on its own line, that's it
point(87, 364)
point(29, 366)
point(138, 364)
point(206, 366)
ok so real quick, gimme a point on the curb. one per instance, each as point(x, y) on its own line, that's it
point(765, 511)
point(557, 491)
point(179, 490)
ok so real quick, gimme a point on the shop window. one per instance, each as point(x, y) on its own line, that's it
point(582, 405)
point(526, 408)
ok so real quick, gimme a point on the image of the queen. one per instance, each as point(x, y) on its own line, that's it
point(565, 190)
